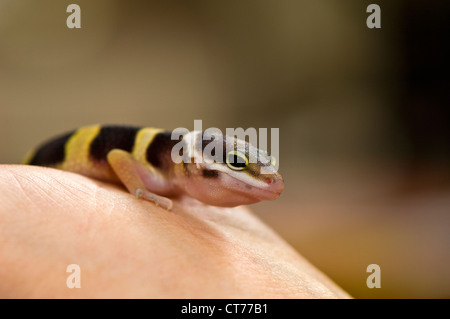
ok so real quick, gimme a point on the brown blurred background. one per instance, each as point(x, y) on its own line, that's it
point(363, 113)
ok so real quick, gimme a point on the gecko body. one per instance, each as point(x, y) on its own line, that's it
point(141, 158)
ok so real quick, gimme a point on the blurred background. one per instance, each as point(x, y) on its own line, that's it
point(364, 114)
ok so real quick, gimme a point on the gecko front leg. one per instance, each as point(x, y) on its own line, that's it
point(139, 179)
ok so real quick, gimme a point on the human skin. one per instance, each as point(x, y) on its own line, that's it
point(129, 248)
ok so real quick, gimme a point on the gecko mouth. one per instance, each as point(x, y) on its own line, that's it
point(265, 194)
point(272, 191)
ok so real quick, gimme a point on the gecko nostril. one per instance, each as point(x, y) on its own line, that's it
point(269, 180)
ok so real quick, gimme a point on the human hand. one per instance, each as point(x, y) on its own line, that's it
point(129, 248)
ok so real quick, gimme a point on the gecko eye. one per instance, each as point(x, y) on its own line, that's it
point(236, 160)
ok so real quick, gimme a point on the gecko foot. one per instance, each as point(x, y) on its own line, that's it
point(160, 201)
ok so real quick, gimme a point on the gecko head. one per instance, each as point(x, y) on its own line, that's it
point(226, 171)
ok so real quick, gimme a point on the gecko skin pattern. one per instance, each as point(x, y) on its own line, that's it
point(140, 158)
